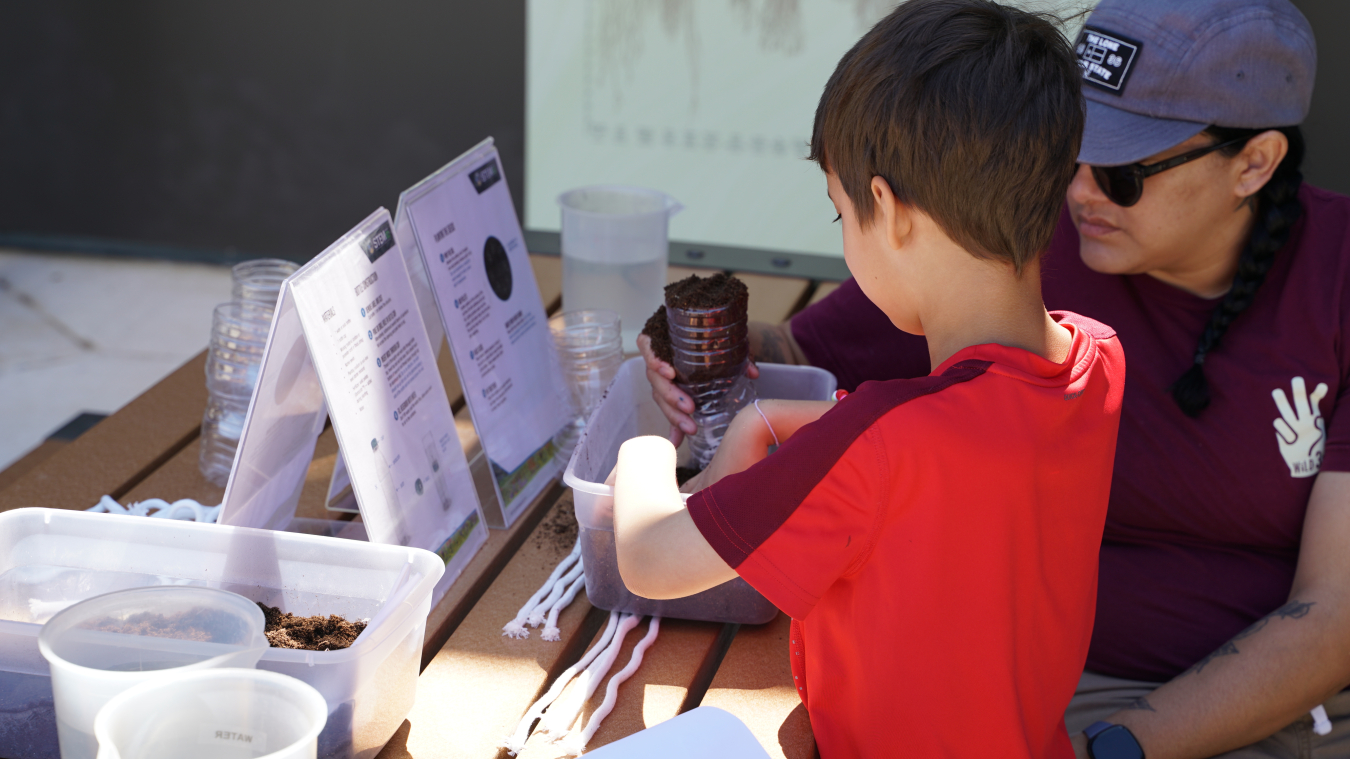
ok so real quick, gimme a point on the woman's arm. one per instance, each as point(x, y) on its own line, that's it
point(1273, 672)
point(770, 343)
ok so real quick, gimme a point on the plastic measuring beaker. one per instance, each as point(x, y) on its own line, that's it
point(109, 643)
point(213, 714)
point(614, 245)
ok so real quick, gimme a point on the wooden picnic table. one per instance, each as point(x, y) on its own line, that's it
point(475, 684)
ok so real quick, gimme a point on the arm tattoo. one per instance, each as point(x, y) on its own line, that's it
point(772, 349)
point(1141, 704)
point(1293, 610)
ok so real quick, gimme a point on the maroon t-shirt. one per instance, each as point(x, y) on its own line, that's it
point(1203, 528)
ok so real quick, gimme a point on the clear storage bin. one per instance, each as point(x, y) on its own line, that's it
point(51, 559)
point(628, 411)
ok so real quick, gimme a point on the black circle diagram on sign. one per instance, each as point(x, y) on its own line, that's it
point(498, 268)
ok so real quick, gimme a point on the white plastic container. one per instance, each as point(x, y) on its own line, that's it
point(628, 411)
point(102, 646)
point(215, 714)
point(51, 558)
point(615, 243)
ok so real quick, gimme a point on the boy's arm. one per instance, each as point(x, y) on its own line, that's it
point(770, 343)
point(661, 553)
point(749, 436)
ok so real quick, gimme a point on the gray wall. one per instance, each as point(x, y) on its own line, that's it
point(1328, 125)
point(269, 128)
point(262, 128)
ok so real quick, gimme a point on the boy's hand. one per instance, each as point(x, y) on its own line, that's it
point(749, 436)
point(673, 402)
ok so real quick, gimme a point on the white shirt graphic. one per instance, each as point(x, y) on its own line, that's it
point(1301, 431)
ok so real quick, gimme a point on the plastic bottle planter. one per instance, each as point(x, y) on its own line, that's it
point(711, 348)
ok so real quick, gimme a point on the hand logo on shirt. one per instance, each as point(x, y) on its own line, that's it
point(1301, 431)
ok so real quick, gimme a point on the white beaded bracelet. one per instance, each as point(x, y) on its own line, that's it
point(766, 422)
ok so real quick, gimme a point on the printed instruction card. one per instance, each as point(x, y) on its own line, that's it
point(348, 323)
point(463, 223)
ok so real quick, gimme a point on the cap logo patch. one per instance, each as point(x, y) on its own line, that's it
point(1106, 58)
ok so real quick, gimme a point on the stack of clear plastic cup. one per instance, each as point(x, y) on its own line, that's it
point(233, 356)
point(590, 350)
point(711, 348)
point(259, 281)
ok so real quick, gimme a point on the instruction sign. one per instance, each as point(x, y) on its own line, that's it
point(348, 338)
point(463, 224)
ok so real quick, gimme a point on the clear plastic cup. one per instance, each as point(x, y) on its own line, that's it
point(234, 355)
point(109, 643)
point(590, 351)
point(615, 243)
point(213, 714)
point(259, 281)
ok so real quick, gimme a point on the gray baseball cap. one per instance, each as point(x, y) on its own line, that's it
point(1158, 72)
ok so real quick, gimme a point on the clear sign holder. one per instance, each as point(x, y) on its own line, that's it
point(348, 340)
point(461, 225)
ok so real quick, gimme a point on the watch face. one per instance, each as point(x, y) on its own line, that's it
point(1116, 742)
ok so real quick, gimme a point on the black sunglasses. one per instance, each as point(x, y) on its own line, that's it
point(1124, 185)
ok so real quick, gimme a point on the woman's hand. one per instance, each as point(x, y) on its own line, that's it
point(673, 402)
point(768, 342)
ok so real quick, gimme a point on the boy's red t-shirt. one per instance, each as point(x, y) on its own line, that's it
point(935, 542)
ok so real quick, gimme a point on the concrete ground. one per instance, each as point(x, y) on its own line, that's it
point(87, 335)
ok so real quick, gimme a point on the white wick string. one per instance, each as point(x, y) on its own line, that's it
point(184, 509)
point(516, 742)
point(558, 720)
point(1321, 724)
point(766, 422)
point(516, 627)
point(551, 631)
point(536, 618)
point(578, 744)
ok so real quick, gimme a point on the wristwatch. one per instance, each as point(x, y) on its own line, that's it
point(1108, 741)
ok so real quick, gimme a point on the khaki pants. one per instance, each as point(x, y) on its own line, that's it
point(1100, 696)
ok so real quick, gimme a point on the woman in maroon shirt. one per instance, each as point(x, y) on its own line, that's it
point(1223, 610)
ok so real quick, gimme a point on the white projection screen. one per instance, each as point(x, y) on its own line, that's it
point(710, 101)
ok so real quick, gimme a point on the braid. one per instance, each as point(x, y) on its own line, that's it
point(1277, 209)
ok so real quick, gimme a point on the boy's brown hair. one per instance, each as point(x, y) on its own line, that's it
point(970, 110)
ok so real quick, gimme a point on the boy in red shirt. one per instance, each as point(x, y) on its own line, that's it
point(934, 540)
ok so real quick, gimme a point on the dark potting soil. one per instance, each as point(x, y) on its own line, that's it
point(658, 329)
point(721, 289)
point(558, 532)
point(316, 633)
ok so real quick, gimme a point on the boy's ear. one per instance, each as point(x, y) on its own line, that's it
point(893, 215)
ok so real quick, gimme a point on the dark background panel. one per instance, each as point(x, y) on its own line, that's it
point(234, 130)
point(1328, 162)
point(263, 128)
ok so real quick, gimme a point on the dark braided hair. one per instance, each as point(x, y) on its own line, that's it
point(1277, 209)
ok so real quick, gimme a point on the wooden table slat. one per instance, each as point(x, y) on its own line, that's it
point(548, 274)
point(478, 686)
point(822, 290)
point(754, 682)
point(120, 451)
